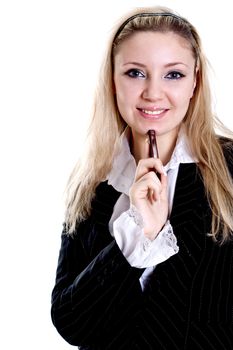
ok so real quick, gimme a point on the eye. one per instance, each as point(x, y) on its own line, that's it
point(135, 73)
point(174, 75)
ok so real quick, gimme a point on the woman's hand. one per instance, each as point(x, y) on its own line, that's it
point(149, 195)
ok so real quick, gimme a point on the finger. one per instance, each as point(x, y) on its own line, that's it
point(154, 187)
point(146, 165)
point(146, 187)
point(158, 189)
point(152, 180)
point(163, 179)
point(164, 185)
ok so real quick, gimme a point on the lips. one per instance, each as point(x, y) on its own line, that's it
point(156, 112)
point(152, 113)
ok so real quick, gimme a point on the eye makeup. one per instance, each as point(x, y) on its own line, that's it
point(134, 73)
point(174, 75)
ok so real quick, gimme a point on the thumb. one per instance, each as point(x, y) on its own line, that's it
point(164, 184)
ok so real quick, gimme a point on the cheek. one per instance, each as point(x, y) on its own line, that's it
point(119, 90)
point(127, 89)
point(121, 100)
point(181, 97)
point(125, 94)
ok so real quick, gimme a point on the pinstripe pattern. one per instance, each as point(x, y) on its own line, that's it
point(97, 302)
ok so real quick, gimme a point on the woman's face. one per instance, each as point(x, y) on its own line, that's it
point(154, 77)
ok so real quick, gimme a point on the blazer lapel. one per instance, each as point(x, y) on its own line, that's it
point(190, 205)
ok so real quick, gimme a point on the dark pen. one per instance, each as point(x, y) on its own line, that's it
point(153, 148)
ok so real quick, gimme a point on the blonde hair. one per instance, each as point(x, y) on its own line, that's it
point(107, 126)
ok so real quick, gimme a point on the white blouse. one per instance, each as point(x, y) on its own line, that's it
point(126, 224)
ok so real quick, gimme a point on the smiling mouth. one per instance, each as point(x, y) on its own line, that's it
point(150, 114)
point(157, 112)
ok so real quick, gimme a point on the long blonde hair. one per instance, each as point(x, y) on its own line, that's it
point(107, 126)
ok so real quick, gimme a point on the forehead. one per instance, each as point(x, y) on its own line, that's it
point(146, 45)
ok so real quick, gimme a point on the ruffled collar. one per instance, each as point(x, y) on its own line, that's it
point(121, 176)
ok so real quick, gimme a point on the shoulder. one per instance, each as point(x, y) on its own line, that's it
point(92, 234)
point(101, 210)
point(227, 147)
point(105, 196)
point(226, 143)
point(106, 191)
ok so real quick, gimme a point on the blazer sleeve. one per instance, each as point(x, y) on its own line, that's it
point(92, 294)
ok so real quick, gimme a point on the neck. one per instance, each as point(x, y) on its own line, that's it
point(166, 144)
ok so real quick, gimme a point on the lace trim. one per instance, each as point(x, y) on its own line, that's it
point(146, 244)
point(136, 216)
point(170, 238)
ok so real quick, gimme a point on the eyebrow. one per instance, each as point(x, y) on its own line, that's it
point(134, 64)
point(175, 64)
point(166, 65)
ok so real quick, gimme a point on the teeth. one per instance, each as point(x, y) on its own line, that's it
point(153, 112)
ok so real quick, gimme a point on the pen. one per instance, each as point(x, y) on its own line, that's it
point(153, 148)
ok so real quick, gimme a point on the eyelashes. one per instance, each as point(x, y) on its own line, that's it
point(174, 75)
point(136, 73)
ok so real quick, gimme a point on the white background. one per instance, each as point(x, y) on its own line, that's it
point(50, 53)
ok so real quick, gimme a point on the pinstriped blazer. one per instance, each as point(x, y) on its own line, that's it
point(97, 301)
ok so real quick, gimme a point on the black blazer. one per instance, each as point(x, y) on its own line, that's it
point(97, 301)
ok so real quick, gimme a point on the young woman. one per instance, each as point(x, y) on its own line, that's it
point(146, 259)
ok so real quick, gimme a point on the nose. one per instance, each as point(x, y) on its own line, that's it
point(153, 89)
